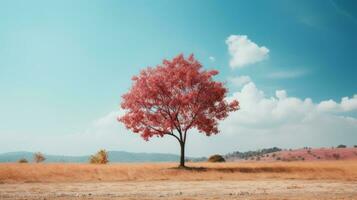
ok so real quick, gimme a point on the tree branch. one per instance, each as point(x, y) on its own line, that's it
point(174, 136)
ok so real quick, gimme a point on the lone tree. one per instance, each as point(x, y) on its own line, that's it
point(174, 97)
point(38, 157)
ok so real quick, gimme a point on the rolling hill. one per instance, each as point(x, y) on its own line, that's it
point(303, 154)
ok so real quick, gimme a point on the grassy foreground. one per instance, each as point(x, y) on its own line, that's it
point(30, 173)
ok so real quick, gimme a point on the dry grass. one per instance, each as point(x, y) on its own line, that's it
point(28, 173)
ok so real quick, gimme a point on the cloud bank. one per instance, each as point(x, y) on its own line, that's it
point(262, 121)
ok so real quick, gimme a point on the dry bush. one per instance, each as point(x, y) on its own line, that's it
point(38, 157)
point(336, 156)
point(216, 158)
point(23, 160)
point(101, 157)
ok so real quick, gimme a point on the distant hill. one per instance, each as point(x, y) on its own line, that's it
point(237, 155)
point(303, 154)
point(114, 156)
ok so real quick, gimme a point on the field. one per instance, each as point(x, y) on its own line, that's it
point(260, 180)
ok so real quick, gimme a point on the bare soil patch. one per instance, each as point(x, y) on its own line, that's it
point(183, 190)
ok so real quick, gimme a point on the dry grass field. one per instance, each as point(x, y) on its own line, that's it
point(276, 180)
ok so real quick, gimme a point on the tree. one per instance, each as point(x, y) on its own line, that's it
point(172, 98)
point(38, 157)
point(101, 157)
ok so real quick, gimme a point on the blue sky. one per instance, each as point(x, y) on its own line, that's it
point(65, 64)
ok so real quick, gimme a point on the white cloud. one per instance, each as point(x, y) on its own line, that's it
point(347, 104)
point(328, 105)
point(257, 110)
point(212, 59)
point(244, 51)
point(239, 81)
point(286, 74)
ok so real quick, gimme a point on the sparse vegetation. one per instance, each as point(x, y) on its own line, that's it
point(216, 158)
point(101, 157)
point(23, 160)
point(250, 154)
point(38, 157)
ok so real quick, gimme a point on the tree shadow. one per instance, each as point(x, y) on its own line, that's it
point(275, 169)
point(187, 168)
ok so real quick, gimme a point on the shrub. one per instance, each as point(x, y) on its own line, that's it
point(38, 157)
point(336, 156)
point(278, 158)
point(216, 158)
point(341, 146)
point(22, 160)
point(355, 146)
point(101, 157)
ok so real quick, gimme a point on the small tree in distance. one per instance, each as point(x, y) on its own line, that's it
point(38, 157)
point(101, 157)
point(174, 97)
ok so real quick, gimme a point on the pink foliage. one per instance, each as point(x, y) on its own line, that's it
point(175, 96)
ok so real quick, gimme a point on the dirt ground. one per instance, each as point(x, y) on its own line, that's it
point(180, 190)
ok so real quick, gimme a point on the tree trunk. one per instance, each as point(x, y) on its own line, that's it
point(182, 158)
